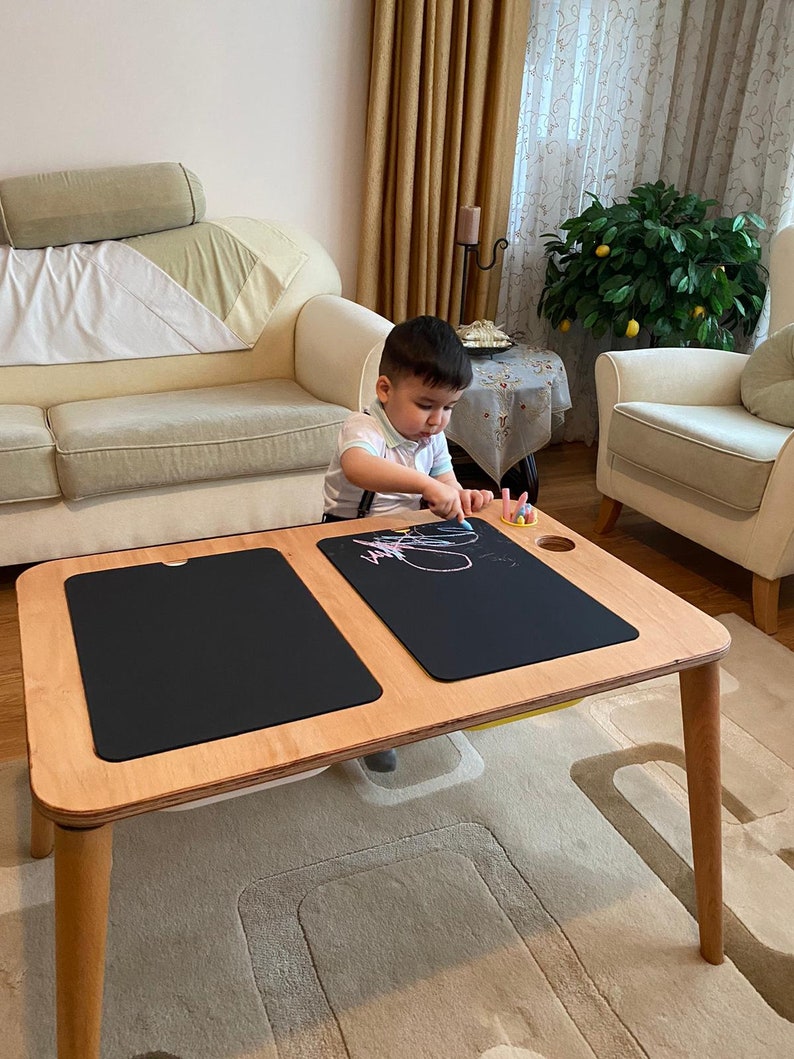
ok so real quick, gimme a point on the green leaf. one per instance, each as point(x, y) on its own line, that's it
point(590, 320)
point(738, 222)
point(646, 290)
point(610, 234)
point(587, 304)
point(614, 282)
point(658, 299)
point(600, 328)
point(624, 294)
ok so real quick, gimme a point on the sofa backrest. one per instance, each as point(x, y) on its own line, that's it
point(273, 356)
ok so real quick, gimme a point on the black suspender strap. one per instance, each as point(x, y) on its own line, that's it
point(366, 497)
point(365, 503)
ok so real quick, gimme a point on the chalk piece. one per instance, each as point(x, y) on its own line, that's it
point(466, 525)
point(506, 505)
point(520, 520)
point(521, 500)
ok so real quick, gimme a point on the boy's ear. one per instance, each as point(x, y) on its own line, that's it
point(383, 388)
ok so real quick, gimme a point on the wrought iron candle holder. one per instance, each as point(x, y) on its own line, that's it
point(473, 248)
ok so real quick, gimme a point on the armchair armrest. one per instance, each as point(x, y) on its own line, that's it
point(770, 551)
point(334, 338)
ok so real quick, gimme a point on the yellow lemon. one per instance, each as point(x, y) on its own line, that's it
point(602, 250)
point(632, 329)
point(565, 325)
point(699, 312)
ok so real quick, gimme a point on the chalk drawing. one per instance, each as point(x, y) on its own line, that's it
point(404, 548)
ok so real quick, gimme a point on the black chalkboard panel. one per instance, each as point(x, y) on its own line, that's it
point(172, 656)
point(465, 603)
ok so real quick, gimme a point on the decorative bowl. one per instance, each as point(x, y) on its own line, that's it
point(486, 351)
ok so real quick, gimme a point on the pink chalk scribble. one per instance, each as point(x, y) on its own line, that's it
point(404, 548)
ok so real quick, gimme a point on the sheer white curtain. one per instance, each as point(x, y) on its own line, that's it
point(695, 93)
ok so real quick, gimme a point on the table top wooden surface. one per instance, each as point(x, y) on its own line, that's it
point(75, 787)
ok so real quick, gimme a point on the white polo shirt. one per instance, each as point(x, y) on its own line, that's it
point(375, 434)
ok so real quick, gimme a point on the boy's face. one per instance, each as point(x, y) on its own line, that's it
point(414, 408)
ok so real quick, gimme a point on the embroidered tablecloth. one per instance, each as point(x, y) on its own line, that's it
point(509, 411)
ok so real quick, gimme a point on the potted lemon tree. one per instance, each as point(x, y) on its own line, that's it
point(655, 262)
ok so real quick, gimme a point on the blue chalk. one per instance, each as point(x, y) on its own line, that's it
point(466, 525)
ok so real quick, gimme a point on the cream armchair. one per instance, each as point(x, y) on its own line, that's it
point(677, 444)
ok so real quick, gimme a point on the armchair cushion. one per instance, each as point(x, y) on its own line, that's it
point(721, 451)
point(768, 379)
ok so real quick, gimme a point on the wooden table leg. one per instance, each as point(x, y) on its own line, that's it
point(700, 707)
point(82, 887)
point(42, 833)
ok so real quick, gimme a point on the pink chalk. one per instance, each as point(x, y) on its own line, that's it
point(506, 504)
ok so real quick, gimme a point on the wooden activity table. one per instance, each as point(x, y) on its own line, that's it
point(78, 796)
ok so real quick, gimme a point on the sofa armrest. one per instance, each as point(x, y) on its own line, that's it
point(334, 338)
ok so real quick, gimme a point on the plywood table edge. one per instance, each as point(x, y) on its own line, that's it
point(93, 817)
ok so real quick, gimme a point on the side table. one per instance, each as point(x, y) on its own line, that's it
point(515, 401)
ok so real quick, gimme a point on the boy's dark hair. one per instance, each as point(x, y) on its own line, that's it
point(427, 347)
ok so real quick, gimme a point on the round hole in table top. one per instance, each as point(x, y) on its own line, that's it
point(553, 543)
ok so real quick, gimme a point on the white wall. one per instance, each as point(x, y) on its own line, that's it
point(265, 100)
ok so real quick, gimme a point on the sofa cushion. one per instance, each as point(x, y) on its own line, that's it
point(720, 450)
point(27, 455)
point(116, 444)
point(85, 205)
point(768, 379)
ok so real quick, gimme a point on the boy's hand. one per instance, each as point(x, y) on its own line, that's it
point(444, 500)
point(473, 500)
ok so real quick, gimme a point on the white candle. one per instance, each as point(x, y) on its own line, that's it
point(468, 225)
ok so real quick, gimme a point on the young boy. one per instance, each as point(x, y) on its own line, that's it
point(394, 456)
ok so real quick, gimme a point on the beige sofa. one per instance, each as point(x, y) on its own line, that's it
point(677, 443)
point(119, 454)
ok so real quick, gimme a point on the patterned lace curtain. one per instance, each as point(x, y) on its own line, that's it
point(694, 92)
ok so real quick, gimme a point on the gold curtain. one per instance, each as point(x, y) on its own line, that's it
point(445, 84)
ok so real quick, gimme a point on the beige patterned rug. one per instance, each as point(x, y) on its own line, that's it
point(515, 893)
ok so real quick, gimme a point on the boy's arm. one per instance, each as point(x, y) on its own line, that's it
point(374, 473)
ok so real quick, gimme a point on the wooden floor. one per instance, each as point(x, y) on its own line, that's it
point(568, 493)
